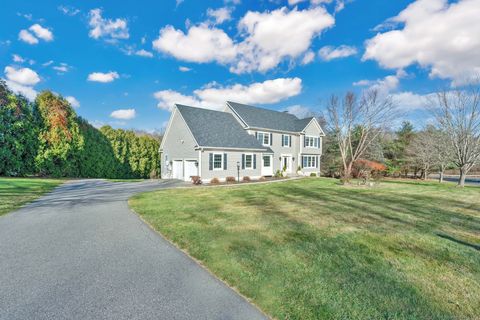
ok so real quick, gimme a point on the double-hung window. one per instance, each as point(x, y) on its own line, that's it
point(309, 162)
point(286, 140)
point(312, 142)
point(264, 138)
point(218, 161)
point(249, 161)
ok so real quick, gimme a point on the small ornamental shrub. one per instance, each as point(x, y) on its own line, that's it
point(196, 180)
point(366, 169)
point(231, 179)
point(215, 181)
point(246, 179)
point(278, 174)
point(313, 174)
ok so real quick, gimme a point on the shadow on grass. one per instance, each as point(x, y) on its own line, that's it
point(448, 237)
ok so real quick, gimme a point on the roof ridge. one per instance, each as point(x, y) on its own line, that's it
point(266, 109)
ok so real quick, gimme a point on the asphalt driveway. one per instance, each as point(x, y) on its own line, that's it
point(80, 253)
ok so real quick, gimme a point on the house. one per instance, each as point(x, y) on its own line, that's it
point(241, 140)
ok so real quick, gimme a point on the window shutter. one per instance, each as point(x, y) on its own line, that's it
point(224, 161)
point(254, 161)
point(283, 139)
point(303, 162)
point(290, 141)
point(304, 141)
point(210, 161)
point(243, 161)
point(256, 135)
point(317, 161)
point(271, 138)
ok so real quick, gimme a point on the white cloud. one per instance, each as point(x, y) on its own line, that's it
point(277, 35)
point(27, 91)
point(144, 53)
point(184, 69)
point(107, 28)
point(46, 64)
point(268, 38)
point(27, 37)
point(200, 44)
point(409, 101)
point(22, 76)
point(73, 101)
point(328, 53)
point(437, 35)
point(62, 68)
point(308, 57)
point(385, 85)
point(220, 15)
point(103, 77)
point(339, 4)
point(41, 32)
point(17, 58)
point(214, 96)
point(299, 111)
point(123, 114)
point(68, 10)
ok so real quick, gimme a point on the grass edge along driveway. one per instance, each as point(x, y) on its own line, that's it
point(311, 249)
point(16, 192)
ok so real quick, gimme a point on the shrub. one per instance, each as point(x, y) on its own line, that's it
point(215, 181)
point(313, 174)
point(278, 174)
point(196, 180)
point(231, 179)
point(366, 168)
point(246, 179)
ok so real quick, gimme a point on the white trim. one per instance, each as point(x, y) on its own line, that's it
point(316, 161)
point(236, 113)
point(213, 162)
point(289, 168)
point(289, 140)
point(200, 163)
point(232, 149)
point(314, 139)
point(295, 133)
point(264, 133)
point(318, 126)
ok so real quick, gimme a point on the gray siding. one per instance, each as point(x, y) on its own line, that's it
point(178, 143)
point(311, 130)
point(232, 158)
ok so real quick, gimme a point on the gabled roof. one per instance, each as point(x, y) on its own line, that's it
point(217, 129)
point(254, 117)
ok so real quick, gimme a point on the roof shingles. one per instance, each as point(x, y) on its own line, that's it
point(217, 129)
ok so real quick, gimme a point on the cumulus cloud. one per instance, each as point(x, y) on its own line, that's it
point(200, 44)
point(214, 96)
point(41, 32)
point(385, 85)
point(308, 57)
point(328, 53)
point(27, 37)
point(277, 35)
point(109, 29)
point(435, 34)
point(103, 77)
point(268, 38)
point(61, 68)
point(21, 81)
point(144, 53)
point(220, 15)
point(34, 33)
point(123, 114)
point(23, 76)
point(73, 101)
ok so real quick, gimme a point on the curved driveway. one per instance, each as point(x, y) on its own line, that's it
point(80, 253)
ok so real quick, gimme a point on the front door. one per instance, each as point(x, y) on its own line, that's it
point(267, 167)
point(287, 164)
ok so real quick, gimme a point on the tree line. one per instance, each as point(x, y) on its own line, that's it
point(360, 130)
point(47, 138)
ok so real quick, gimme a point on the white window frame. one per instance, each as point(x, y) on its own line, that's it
point(251, 162)
point(289, 137)
point(315, 142)
point(221, 161)
point(264, 134)
point(311, 162)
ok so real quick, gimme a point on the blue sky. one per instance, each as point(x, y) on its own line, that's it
point(126, 63)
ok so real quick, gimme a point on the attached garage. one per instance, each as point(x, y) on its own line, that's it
point(177, 169)
point(191, 169)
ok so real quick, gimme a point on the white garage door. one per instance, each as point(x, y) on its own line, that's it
point(191, 169)
point(177, 170)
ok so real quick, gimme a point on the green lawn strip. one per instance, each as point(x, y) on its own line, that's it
point(312, 249)
point(15, 192)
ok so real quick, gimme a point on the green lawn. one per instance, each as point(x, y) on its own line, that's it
point(15, 192)
point(126, 180)
point(312, 249)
